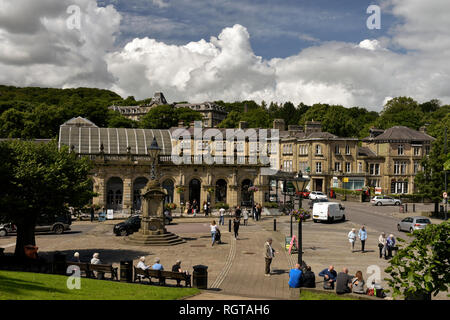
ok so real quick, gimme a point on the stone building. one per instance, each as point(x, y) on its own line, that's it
point(212, 113)
point(122, 165)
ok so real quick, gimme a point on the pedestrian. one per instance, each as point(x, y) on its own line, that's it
point(258, 211)
point(245, 216)
point(222, 216)
point(213, 232)
point(362, 234)
point(295, 277)
point(269, 254)
point(96, 260)
point(194, 207)
point(382, 245)
point(92, 213)
point(390, 244)
point(237, 212)
point(236, 223)
point(254, 214)
point(309, 278)
point(358, 283)
point(352, 239)
point(205, 208)
point(329, 277)
point(344, 282)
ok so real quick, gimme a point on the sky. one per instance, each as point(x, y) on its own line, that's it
point(198, 50)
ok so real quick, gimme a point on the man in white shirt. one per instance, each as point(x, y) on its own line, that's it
point(222, 216)
point(141, 264)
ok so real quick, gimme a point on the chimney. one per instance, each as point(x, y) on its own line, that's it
point(313, 126)
point(279, 124)
point(243, 124)
point(181, 124)
point(374, 132)
point(293, 129)
point(423, 129)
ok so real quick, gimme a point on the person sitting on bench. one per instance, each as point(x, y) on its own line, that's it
point(329, 277)
point(343, 282)
point(177, 268)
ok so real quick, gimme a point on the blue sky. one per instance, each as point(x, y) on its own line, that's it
point(278, 28)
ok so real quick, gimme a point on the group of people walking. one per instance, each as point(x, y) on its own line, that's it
point(386, 245)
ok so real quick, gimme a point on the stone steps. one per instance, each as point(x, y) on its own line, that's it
point(166, 239)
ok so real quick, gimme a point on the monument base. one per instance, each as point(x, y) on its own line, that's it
point(164, 239)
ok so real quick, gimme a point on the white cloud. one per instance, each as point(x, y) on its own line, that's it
point(40, 50)
point(37, 47)
point(161, 3)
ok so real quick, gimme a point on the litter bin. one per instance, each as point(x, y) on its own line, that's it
point(401, 208)
point(126, 271)
point(59, 263)
point(200, 277)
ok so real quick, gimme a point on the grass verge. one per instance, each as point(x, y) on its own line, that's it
point(36, 286)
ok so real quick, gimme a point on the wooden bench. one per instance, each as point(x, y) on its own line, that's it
point(179, 276)
point(84, 267)
point(101, 269)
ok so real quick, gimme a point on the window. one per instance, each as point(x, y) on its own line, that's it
point(287, 148)
point(360, 167)
point(400, 149)
point(417, 151)
point(347, 149)
point(348, 167)
point(400, 167)
point(337, 150)
point(375, 183)
point(318, 167)
point(287, 165)
point(337, 166)
point(399, 187)
point(427, 150)
point(303, 149)
point(302, 166)
point(374, 169)
point(318, 149)
point(416, 166)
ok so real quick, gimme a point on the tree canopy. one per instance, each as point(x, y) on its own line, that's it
point(37, 180)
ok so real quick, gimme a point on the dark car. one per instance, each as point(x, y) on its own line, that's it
point(129, 226)
point(133, 224)
point(43, 224)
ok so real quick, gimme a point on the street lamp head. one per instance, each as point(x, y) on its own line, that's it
point(154, 149)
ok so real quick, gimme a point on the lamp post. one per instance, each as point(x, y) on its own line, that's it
point(300, 184)
point(154, 151)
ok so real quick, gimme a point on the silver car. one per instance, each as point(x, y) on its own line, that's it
point(413, 223)
point(385, 201)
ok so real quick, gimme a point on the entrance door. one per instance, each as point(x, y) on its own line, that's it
point(318, 184)
point(194, 191)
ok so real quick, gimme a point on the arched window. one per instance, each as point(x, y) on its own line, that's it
point(246, 196)
point(114, 192)
point(221, 191)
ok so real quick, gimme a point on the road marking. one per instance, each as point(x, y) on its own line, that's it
point(227, 266)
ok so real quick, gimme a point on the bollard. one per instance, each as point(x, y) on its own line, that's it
point(229, 225)
point(274, 224)
point(414, 207)
point(406, 207)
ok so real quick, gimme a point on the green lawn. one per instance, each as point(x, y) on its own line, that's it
point(308, 295)
point(36, 286)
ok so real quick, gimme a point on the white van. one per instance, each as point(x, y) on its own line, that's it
point(327, 211)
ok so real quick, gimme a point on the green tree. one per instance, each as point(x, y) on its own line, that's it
point(116, 120)
point(39, 180)
point(423, 266)
point(400, 111)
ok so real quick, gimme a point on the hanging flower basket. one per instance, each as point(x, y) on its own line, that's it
point(171, 206)
point(252, 189)
point(210, 190)
point(301, 214)
point(180, 189)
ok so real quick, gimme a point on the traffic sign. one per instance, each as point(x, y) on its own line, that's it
point(345, 180)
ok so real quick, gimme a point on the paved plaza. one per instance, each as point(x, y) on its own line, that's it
point(235, 267)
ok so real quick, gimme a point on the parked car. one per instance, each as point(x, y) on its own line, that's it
point(385, 201)
point(317, 195)
point(303, 194)
point(311, 202)
point(44, 224)
point(129, 226)
point(413, 223)
point(133, 224)
point(328, 211)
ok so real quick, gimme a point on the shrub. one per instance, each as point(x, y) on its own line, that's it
point(270, 204)
point(219, 205)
